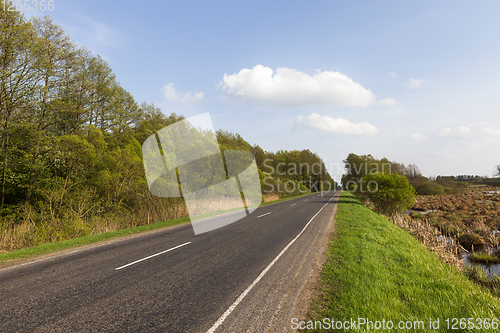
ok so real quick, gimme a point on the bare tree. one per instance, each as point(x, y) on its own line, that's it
point(412, 172)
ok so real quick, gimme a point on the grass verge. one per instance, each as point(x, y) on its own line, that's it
point(377, 271)
point(90, 239)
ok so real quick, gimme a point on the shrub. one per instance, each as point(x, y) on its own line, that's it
point(435, 220)
point(448, 229)
point(452, 218)
point(483, 257)
point(429, 188)
point(416, 215)
point(389, 193)
point(469, 238)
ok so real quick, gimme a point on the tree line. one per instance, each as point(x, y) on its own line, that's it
point(359, 166)
point(70, 142)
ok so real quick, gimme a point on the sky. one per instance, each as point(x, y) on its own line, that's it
point(413, 81)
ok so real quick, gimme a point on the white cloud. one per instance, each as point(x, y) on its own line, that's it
point(446, 154)
point(290, 88)
point(419, 137)
point(460, 131)
point(336, 125)
point(171, 95)
point(393, 75)
point(478, 130)
point(414, 83)
point(386, 101)
point(490, 130)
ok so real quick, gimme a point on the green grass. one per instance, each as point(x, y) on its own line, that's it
point(90, 239)
point(484, 257)
point(378, 271)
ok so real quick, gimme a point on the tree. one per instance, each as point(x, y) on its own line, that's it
point(412, 172)
point(389, 193)
point(260, 156)
point(18, 78)
point(53, 51)
point(497, 173)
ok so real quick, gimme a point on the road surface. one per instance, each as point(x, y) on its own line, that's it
point(245, 277)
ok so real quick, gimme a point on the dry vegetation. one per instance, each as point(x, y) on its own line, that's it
point(39, 226)
point(453, 224)
point(471, 218)
point(268, 197)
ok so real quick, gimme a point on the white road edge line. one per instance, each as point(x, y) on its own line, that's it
point(151, 256)
point(293, 205)
point(242, 296)
point(263, 215)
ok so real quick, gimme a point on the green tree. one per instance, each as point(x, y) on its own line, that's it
point(53, 50)
point(18, 79)
point(260, 156)
point(389, 193)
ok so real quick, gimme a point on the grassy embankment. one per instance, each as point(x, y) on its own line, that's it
point(378, 271)
point(96, 238)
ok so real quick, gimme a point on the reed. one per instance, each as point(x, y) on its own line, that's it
point(36, 227)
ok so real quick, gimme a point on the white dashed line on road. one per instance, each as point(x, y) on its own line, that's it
point(151, 256)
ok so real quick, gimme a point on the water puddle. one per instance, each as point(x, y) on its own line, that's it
point(408, 211)
point(492, 192)
point(448, 239)
point(491, 269)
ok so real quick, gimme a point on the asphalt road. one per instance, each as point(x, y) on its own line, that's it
point(244, 277)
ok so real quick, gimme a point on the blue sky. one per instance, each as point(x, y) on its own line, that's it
point(416, 82)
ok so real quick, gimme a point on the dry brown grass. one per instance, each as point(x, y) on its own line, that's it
point(473, 213)
point(270, 197)
point(200, 207)
point(34, 227)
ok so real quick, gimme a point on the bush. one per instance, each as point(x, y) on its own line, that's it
point(429, 188)
point(389, 193)
point(467, 239)
point(416, 215)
